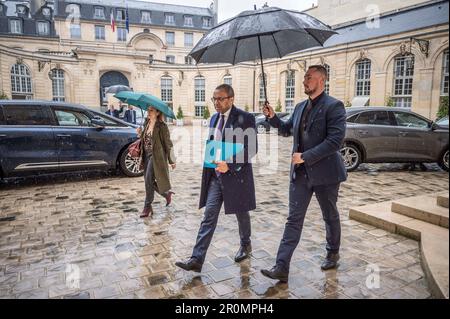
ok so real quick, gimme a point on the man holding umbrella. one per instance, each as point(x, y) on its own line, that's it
point(318, 127)
point(231, 182)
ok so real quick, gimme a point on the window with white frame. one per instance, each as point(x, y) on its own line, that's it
point(206, 22)
point(188, 60)
point(99, 32)
point(327, 82)
point(188, 40)
point(363, 71)
point(262, 98)
point(121, 34)
point(170, 38)
point(15, 26)
point(166, 89)
point(290, 91)
point(188, 21)
point(20, 79)
point(43, 27)
point(444, 85)
point(120, 15)
point(170, 59)
point(403, 80)
point(200, 85)
point(58, 85)
point(146, 17)
point(75, 31)
point(170, 19)
point(228, 79)
point(99, 13)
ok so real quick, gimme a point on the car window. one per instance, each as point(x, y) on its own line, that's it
point(72, 118)
point(352, 118)
point(443, 121)
point(109, 121)
point(374, 118)
point(410, 120)
point(26, 115)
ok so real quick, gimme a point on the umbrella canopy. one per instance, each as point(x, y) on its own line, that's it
point(117, 88)
point(144, 101)
point(260, 34)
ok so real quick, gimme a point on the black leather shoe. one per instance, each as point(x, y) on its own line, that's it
point(243, 253)
point(276, 273)
point(331, 261)
point(190, 265)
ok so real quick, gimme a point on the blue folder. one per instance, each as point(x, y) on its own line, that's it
point(220, 151)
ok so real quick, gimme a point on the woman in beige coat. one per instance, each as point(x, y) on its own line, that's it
point(156, 154)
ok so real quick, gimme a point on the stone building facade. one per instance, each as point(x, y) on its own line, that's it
point(61, 50)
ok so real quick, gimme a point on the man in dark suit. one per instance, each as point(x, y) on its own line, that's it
point(318, 127)
point(231, 182)
point(113, 112)
point(130, 115)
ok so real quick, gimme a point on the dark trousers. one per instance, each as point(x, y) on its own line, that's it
point(207, 227)
point(300, 194)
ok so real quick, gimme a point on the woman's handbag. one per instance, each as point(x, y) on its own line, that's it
point(135, 148)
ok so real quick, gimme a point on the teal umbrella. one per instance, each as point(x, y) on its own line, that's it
point(144, 101)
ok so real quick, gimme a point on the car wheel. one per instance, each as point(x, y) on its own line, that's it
point(130, 166)
point(443, 161)
point(351, 156)
point(261, 129)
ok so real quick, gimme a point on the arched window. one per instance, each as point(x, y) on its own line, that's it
point(403, 80)
point(363, 72)
point(199, 93)
point(327, 82)
point(21, 82)
point(58, 85)
point(290, 91)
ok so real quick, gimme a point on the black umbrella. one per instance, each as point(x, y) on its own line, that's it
point(114, 89)
point(261, 34)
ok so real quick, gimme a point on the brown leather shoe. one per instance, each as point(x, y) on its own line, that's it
point(169, 197)
point(147, 211)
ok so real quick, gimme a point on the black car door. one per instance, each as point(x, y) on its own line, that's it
point(79, 143)
point(27, 142)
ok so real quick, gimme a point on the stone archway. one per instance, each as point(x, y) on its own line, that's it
point(111, 78)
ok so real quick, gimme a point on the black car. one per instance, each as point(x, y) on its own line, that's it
point(42, 136)
point(263, 126)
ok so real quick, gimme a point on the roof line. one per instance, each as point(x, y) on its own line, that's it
point(389, 13)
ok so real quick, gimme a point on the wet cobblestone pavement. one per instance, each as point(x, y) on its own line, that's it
point(54, 230)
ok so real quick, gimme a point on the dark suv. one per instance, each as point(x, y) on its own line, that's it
point(41, 137)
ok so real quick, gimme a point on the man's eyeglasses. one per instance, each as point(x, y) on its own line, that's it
point(220, 99)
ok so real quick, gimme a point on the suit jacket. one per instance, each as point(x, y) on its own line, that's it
point(130, 116)
point(322, 140)
point(114, 113)
point(238, 184)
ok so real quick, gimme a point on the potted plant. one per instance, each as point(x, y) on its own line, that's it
point(206, 116)
point(278, 107)
point(180, 116)
point(3, 96)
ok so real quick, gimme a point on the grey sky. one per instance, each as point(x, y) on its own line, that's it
point(230, 8)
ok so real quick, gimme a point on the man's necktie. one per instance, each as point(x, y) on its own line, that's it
point(219, 134)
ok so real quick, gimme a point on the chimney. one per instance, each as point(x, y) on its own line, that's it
point(215, 11)
point(35, 5)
